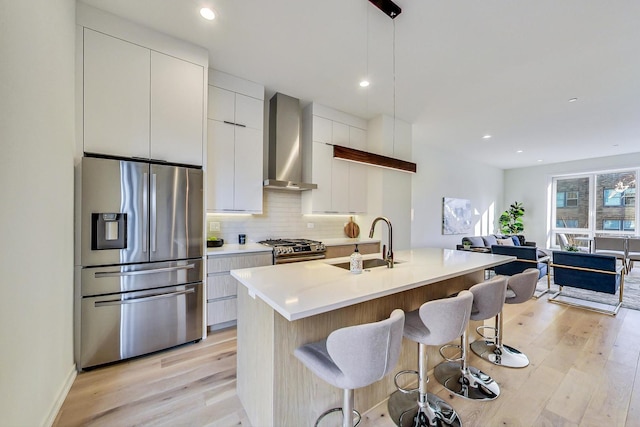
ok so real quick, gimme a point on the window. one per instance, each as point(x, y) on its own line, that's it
point(567, 223)
point(572, 202)
point(615, 201)
point(615, 197)
point(566, 199)
point(611, 224)
point(595, 203)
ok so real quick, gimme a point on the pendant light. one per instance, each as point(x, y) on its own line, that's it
point(358, 156)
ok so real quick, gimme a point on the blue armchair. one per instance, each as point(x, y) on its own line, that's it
point(592, 272)
point(527, 257)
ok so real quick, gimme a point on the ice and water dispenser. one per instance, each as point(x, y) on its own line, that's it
point(108, 231)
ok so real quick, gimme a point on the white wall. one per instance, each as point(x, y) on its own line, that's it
point(36, 171)
point(441, 175)
point(532, 187)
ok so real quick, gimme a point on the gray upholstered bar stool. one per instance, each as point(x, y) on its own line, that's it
point(456, 374)
point(434, 323)
point(520, 288)
point(354, 357)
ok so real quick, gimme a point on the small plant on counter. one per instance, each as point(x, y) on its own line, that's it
point(572, 248)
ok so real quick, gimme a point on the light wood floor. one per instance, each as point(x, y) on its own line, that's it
point(583, 372)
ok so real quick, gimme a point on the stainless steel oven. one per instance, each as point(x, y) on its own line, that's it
point(295, 250)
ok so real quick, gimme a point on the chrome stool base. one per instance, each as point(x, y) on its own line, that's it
point(330, 411)
point(501, 356)
point(475, 385)
point(405, 412)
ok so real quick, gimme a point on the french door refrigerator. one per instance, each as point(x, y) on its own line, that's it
point(139, 269)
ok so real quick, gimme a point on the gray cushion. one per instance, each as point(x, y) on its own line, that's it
point(490, 240)
point(488, 298)
point(521, 286)
point(475, 241)
point(356, 356)
point(440, 321)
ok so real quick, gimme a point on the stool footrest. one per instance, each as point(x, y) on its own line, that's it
point(495, 332)
point(406, 390)
point(449, 359)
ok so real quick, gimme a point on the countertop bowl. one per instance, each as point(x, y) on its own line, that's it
point(215, 243)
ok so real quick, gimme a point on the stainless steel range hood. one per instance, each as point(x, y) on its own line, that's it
point(285, 160)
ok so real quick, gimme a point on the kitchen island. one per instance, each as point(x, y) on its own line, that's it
point(284, 306)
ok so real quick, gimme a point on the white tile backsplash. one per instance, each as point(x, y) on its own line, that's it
point(281, 218)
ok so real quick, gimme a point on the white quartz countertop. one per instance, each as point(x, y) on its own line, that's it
point(304, 289)
point(235, 248)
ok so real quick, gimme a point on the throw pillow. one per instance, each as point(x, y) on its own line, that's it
point(505, 242)
point(516, 241)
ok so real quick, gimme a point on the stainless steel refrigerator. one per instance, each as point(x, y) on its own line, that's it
point(139, 269)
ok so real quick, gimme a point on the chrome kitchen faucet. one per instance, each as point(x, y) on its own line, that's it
point(387, 255)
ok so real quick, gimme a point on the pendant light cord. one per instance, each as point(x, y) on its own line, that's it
point(393, 148)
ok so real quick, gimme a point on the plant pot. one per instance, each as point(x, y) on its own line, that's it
point(215, 243)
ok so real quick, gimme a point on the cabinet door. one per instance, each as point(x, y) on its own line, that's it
point(357, 173)
point(222, 104)
point(248, 170)
point(249, 112)
point(340, 171)
point(220, 165)
point(177, 102)
point(322, 159)
point(116, 96)
point(322, 130)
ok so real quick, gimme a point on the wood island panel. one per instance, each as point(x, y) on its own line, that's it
point(278, 390)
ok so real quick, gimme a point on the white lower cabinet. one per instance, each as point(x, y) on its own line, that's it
point(222, 287)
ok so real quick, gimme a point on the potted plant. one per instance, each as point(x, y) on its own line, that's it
point(511, 219)
point(466, 244)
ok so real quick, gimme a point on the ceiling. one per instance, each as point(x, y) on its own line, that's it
point(463, 69)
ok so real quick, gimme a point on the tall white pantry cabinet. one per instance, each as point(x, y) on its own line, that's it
point(342, 186)
point(234, 144)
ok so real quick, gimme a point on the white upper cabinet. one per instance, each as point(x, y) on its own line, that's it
point(116, 96)
point(138, 102)
point(235, 144)
point(342, 186)
point(177, 101)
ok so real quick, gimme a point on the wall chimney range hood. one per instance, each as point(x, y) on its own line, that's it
point(285, 161)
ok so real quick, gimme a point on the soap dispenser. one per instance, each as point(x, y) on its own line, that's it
point(355, 264)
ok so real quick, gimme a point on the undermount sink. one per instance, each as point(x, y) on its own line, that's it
point(367, 263)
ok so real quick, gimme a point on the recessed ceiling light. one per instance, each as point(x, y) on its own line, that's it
point(207, 13)
point(539, 160)
point(364, 83)
point(573, 99)
point(519, 151)
point(486, 137)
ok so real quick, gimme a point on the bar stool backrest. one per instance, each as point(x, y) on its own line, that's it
point(523, 286)
point(446, 318)
point(488, 298)
point(366, 353)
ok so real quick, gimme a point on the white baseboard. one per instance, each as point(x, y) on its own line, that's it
point(61, 396)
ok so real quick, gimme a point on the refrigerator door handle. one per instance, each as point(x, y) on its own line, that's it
point(145, 211)
point(101, 274)
point(143, 299)
point(154, 212)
